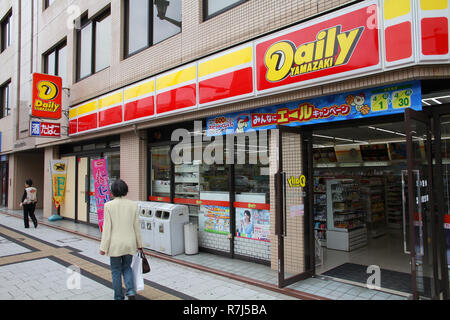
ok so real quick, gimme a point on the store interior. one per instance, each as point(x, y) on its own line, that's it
point(358, 211)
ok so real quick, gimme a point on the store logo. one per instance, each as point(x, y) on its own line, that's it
point(331, 48)
point(299, 182)
point(59, 167)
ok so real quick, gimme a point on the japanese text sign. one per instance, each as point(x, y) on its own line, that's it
point(101, 185)
point(45, 129)
point(354, 105)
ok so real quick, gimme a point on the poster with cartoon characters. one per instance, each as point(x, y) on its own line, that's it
point(353, 105)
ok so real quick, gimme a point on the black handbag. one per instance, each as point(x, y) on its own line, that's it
point(145, 264)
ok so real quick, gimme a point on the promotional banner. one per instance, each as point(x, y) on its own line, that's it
point(101, 185)
point(59, 177)
point(47, 96)
point(354, 105)
point(253, 224)
point(216, 219)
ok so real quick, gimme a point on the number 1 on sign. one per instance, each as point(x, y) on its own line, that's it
point(380, 102)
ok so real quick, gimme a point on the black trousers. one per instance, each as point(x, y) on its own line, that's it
point(28, 210)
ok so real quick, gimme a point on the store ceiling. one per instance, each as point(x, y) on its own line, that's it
point(380, 133)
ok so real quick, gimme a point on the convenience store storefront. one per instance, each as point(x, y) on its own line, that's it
point(370, 41)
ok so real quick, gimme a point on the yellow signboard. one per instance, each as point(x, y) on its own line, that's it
point(59, 177)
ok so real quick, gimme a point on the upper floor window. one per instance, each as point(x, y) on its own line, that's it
point(55, 62)
point(48, 3)
point(148, 22)
point(94, 44)
point(5, 25)
point(5, 101)
point(213, 8)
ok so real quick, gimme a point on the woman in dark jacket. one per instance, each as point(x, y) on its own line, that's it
point(29, 203)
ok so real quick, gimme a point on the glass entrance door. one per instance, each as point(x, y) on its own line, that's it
point(292, 215)
point(418, 202)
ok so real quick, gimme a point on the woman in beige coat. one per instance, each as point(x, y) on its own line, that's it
point(121, 238)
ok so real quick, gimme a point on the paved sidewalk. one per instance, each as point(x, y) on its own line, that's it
point(195, 276)
point(38, 264)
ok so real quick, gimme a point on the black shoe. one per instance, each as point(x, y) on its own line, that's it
point(131, 297)
point(35, 225)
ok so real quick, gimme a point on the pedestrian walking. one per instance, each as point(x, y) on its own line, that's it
point(121, 238)
point(29, 200)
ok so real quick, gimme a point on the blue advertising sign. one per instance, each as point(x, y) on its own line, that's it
point(345, 106)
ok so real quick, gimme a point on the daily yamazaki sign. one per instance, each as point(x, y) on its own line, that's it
point(342, 45)
point(47, 93)
point(366, 38)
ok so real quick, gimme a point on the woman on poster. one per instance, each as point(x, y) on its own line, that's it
point(246, 224)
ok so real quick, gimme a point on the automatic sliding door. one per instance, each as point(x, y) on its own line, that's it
point(418, 196)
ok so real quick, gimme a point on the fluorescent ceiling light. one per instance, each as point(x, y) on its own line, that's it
point(388, 131)
point(340, 139)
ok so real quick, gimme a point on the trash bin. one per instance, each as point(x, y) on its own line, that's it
point(190, 238)
point(169, 220)
point(146, 222)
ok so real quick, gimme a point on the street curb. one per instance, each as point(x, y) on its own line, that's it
point(257, 283)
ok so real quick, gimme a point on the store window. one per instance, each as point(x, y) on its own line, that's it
point(160, 172)
point(252, 177)
point(212, 8)
point(150, 22)
point(5, 99)
point(5, 25)
point(94, 44)
point(55, 62)
point(252, 197)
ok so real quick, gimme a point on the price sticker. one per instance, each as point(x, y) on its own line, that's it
point(402, 99)
point(379, 102)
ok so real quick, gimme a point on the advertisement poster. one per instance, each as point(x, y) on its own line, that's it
point(346, 106)
point(253, 224)
point(101, 185)
point(59, 176)
point(216, 219)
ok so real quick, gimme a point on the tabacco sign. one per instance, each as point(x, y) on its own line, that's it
point(46, 96)
point(326, 47)
point(45, 129)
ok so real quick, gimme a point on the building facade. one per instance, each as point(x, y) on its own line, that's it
point(325, 87)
